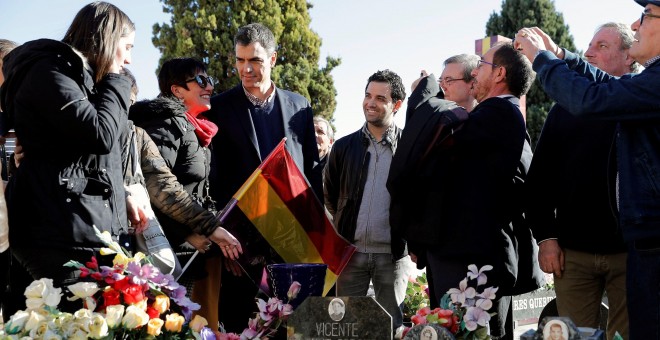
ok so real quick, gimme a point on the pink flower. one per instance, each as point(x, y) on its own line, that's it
point(293, 290)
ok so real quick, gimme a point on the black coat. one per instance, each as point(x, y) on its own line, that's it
point(71, 177)
point(419, 168)
point(164, 119)
point(461, 196)
point(571, 184)
point(485, 224)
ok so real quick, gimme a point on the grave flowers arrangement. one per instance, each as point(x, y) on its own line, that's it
point(268, 320)
point(417, 296)
point(130, 300)
point(463, 310)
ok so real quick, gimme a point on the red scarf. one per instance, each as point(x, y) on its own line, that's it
point(204, 128)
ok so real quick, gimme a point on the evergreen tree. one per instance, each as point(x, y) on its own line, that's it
point(205, 29)
point(529, 13)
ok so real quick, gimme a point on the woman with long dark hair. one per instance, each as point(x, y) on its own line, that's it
point(67, 103)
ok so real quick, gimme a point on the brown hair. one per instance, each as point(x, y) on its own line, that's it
point(95, 32)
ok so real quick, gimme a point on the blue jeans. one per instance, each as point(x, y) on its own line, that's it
point(643, 288)
point(387, 277)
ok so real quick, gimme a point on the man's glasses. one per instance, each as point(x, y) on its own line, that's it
point(644, 14)
point(485, 62)
point(202, 81)
point(448, 80)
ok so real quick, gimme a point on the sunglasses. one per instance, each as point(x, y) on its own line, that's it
point(203, 81)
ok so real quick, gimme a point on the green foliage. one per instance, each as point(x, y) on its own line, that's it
point(416, 296)
point(205, 29)
point(529, 13)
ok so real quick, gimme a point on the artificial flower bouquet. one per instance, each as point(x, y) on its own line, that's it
point(417, 296)
point(463, 310)
point(271, 316)
point(130, 300)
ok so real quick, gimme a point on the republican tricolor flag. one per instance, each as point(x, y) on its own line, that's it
point(282, 207)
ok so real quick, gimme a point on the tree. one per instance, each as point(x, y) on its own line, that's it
point(205, 29)
point(528, 13)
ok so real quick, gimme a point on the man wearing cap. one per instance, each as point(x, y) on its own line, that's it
point(634, 102)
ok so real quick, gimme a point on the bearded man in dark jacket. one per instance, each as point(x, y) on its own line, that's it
point(356, 195)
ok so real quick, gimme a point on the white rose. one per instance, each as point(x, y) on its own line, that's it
point(62, 320)
point(34, 320)
point(114, 315)
point(134, 317)
point(74, 330)
point(17, 322)
point(37, 332)
point(41, 292)
point(98, 328)
point(78, 334)
point(82, 290)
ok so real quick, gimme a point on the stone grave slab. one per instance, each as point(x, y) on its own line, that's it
point(330, 318)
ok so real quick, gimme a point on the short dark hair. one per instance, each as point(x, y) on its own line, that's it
point(393, 79)
point(256, 32)
point(176, 71)
point(519, 73)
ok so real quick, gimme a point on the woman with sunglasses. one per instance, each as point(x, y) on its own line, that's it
point(67, 103)
point(182, 134)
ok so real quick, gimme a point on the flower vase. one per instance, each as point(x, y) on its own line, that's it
point(311, 277)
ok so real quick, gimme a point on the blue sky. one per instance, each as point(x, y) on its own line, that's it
point(369, 35)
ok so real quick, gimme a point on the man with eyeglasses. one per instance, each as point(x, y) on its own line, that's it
point(456, 79)
point(481, 199)
point(633, 102)
point(569, 200)
point(252, 118)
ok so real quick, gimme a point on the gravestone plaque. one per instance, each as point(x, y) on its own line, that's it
point(554, 327)
point(529, 306)
point(330, 318)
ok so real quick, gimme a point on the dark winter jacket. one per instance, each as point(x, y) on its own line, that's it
point(571, 184)
point(71, 176)
point(633, 101)
point(344, 178)
point(165, 192)
point(164, 119)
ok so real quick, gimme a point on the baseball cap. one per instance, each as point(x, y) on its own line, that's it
point(646, 2)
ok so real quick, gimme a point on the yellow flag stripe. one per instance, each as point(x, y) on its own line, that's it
point(268, 213)
point(485, 45)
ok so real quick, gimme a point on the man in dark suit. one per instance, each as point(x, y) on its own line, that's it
point(483, 200)
point(252, 118)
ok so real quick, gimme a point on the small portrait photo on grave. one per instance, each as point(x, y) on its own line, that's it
point(428, 333)
point(336, 309)
point(555, 330)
